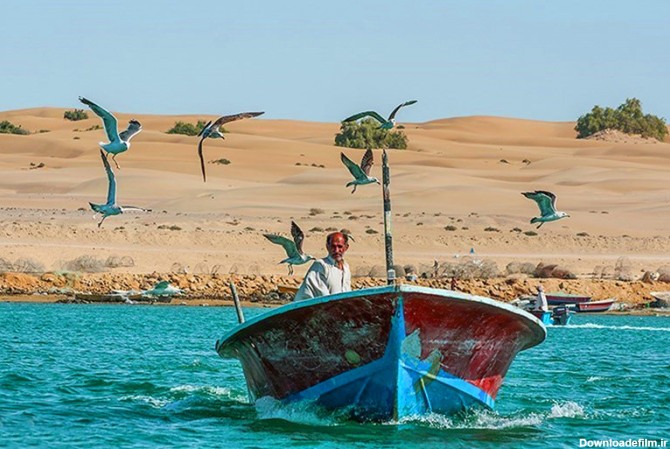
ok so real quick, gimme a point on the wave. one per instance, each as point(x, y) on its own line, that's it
point(604, 326)
point(490, 420)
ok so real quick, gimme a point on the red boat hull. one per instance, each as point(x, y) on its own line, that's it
point(595, 306)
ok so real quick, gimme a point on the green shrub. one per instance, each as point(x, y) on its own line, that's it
point(628, 118)
point(9, 128)
point(189, 129)
point(367, 134)
point(77, 114)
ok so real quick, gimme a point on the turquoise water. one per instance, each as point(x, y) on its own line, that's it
point(88, 376)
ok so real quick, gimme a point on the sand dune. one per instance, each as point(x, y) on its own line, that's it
point(466, 172)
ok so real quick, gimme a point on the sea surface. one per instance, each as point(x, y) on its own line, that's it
point(92, 376)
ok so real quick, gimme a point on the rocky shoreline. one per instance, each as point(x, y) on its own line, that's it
point(264, 289)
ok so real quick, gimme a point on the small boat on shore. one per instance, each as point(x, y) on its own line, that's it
point(383, 353)
point(595, 306)
point(118, 298)
point(560, 298)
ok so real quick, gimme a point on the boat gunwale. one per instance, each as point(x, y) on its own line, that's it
point(399, 288)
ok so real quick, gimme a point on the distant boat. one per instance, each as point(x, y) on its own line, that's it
point(383, 353)
point(558, 316)
point(595, 306)
point(556, 299)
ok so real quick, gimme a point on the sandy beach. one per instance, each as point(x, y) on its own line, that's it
point(456, 189)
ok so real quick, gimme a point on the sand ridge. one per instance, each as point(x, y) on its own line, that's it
point(466, 173)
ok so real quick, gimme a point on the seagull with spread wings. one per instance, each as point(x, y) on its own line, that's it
point(110, 207)
point(546, 201)
point(361, 173)
point(211, 130)
point(293, 248)
point(118, 142)
point(388, 123)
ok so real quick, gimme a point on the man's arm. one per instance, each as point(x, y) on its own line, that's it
point(314, 284)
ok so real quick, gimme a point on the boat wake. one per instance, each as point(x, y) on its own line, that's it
point(490, 420)
point(307, 413)
point(301, 412)
point(194, 402)
point(603, 326)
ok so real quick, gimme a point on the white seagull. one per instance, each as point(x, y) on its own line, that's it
point(293, 248)
point(211, 130)
point(361, 173)
point(110, 207)
point(118, 142)
point(546, 201)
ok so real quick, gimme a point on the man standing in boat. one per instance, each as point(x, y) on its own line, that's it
point(328, 275)
point(541, 301)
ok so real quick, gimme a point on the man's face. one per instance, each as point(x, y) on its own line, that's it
point(338, 246)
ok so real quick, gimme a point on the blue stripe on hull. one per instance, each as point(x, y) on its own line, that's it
point(397, 385)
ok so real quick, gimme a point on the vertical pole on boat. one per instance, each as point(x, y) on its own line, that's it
point(388, 238)
point(236, 301)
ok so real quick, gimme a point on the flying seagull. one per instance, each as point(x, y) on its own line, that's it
point(384, 123)
point(546, 201)
point(293, 247)
point(110, 207)
point(118, 142)
point(211, 130)
point(348, 233)
point(360, 173)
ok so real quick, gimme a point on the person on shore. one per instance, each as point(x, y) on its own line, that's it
point(328, 275)
point(541, 301)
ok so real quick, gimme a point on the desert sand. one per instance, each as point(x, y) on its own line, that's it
point(467, 173)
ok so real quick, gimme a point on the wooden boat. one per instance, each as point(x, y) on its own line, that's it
point(106, 298)
point(385, 352)
point(119, 298)
point(661, 299)
point(287, 289)
point(557, 299)
point(595, 306)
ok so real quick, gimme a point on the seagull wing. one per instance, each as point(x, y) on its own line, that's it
point(134, 208)
point(289, 245)
point(367, 161)
point(231, 118)
point(551, 196)
point(544, 201)
point(354, 169)
point(107, 119)
point(202, 159)
point(298, 236)
point(360, 115)
point(407, 103)
point(134, 127)
point(111, 191)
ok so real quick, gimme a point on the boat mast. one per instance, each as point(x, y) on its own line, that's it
point(388, 238)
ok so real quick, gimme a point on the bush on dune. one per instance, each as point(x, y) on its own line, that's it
point(75, 115)
point(367, 134)
point(628, 118)
point(7, 127)
point(189, 129)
